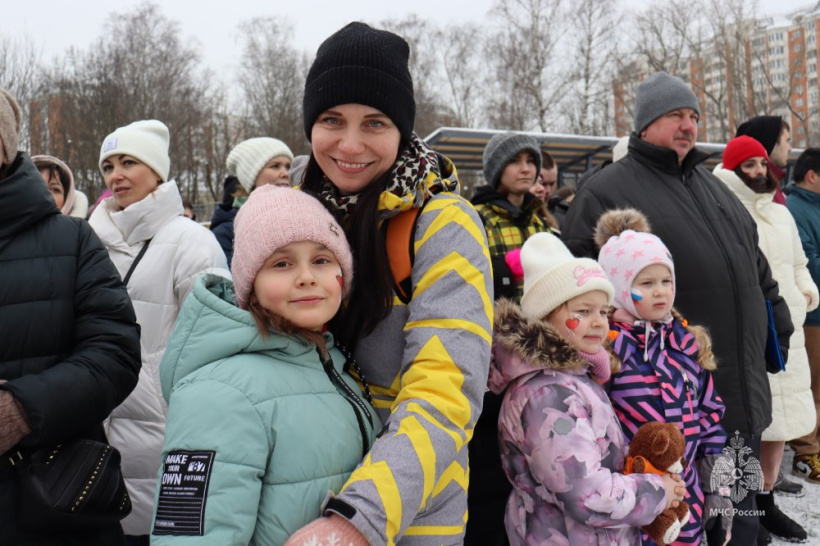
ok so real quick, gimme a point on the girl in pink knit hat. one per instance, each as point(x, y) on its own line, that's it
point(264, 417)
point(665, 368)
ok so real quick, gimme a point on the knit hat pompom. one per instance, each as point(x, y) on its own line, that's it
point(274, 217)
point(616, 221)
point(553, 276)
point(659, 94)
point(362, 65)
point(629, 249)
point(249, 157)
point(741, 148)
point(147, 140)
point(503, 148)
point(11, 122)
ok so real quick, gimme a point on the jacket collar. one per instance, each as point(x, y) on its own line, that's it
point(142, 220)
point(806, 195)
point(489, 196)
point(211, 306)
point(750, 199)
point(521, 346)
point(24, 198)
point(664, 159)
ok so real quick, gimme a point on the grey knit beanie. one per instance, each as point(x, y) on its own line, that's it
point(659, 94)
point(11, 121)
point(501, 149)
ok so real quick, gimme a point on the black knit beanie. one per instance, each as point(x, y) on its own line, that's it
point(764, 129)
point(362, 65)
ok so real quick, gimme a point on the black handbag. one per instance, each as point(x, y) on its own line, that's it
point(75, 485)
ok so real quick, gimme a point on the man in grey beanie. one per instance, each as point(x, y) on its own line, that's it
point(722, 277)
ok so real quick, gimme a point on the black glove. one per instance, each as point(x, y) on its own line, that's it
point(716, 475)
point(504, 284)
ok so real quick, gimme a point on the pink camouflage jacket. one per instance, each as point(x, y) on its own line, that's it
point(562, 446)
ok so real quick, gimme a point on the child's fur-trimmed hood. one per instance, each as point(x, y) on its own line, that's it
point(522, 346)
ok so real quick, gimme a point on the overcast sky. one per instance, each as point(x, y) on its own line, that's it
point(59, 24)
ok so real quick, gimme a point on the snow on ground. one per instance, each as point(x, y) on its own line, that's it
point(804, 510)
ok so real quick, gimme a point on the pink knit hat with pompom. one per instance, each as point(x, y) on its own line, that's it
point(274, 217)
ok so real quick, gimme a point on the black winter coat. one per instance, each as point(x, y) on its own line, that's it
point(70, 342)
point(222, 228)
point(722, 276)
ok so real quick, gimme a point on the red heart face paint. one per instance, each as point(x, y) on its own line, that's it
point(341, 281)
point(572, 323)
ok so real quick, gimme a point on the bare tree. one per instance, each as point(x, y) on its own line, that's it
point(530, 75)
point(596, 25)
point(139, 69)
point(20, 60)
point(463, 66)
point(663, 34)
point(272, 79)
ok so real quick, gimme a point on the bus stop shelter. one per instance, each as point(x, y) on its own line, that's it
point(572, 153)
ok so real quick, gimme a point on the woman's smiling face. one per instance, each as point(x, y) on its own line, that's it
point(354, 145)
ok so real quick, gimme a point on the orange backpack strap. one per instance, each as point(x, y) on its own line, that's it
point(399, 236)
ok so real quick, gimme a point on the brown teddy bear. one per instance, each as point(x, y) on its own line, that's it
point(658, 448)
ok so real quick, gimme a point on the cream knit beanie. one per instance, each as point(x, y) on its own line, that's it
point(249, 157)
point(147, 140)
point(552, 276)
point(274, 217)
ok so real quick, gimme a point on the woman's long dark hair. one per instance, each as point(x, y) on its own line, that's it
point(771, 181)
point(372, 296)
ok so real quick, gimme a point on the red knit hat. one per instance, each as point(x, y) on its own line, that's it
point(740, 149)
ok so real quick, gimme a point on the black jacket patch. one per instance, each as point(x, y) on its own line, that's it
point(183, 490)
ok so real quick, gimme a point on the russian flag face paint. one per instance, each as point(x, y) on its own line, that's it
point(637, 295)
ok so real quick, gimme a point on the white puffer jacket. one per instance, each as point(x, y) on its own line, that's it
point(793, 413)
point(179, 251)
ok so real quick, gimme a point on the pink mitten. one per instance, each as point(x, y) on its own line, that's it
point(513, 259)
point(328, 531)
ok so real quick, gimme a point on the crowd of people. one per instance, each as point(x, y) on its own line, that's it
point(354, 354)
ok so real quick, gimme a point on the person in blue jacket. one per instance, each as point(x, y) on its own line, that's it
point(804, 204)
point(264, 420)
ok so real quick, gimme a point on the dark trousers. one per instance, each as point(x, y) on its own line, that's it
point(744, 521)
point(138, 540)
point(489, 488)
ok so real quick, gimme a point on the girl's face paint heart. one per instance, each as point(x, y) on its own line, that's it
point(636, 294)
point(341, 281)
point(572, 323)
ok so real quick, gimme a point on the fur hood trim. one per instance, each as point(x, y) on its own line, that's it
point(538, 343)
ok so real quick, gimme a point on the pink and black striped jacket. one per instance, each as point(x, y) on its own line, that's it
point(661, 380)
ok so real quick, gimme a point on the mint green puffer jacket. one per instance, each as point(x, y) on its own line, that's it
point(275, 428)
